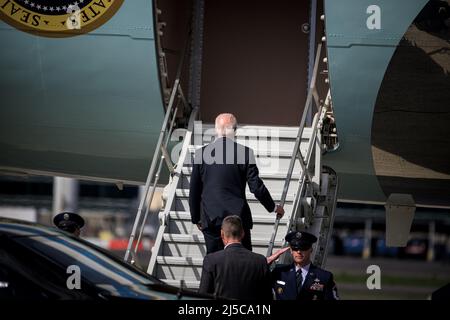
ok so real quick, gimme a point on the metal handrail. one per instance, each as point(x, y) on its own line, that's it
point(296, 153)
point(159, 148)
point(315, 125)
point(164, 216)
point(163, 157)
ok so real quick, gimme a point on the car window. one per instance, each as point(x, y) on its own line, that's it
point(41, 260)
point(23, 275)
point(95, 266)
point(13, 285)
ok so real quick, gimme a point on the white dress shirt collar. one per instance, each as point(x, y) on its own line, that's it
point(305, 270)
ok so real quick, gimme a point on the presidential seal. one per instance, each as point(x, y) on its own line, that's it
point(57, 18)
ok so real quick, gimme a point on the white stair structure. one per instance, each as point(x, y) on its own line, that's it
point(289, 162)
point(178, 254)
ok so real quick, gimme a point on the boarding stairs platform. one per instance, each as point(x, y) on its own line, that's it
point(289, 162)
point(180, 247)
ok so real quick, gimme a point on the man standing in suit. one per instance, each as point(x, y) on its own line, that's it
point(302, 280)
point(235, 272)
point(220, 172)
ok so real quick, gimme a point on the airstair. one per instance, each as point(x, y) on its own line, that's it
point(289, 161)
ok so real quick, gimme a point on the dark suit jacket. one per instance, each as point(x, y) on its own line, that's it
point(236, 273)
point(217, 185)
point(318, 285)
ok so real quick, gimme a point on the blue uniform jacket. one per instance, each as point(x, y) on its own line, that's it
point(318, 285)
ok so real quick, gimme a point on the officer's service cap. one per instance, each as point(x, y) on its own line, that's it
point(300, 240)
point(68, 221)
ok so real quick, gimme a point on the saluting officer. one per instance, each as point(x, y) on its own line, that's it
point(69, 222)
point(302, 280)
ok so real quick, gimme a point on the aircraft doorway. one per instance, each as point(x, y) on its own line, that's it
point(255, 60)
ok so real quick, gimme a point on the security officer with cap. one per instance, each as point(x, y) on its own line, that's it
point(302, 280)
point(69, 222)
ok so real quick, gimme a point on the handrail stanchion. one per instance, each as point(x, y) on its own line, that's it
point(152, 192)
point(159, 144)
point(296, 151)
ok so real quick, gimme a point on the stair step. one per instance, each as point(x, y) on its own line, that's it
point(273, 181)
point(193, 245)
point(187, 238)
point(180, 261)
point(257, 131)
point(260, 152)
point(263, 140)
point(263, 219)
point(179, 268)
point(182, 204)
point(268, 165)
point(190, 284)
point(263, 175)
point(180, 223)
point(184, 193)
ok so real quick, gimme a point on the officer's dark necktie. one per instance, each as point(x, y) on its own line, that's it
point(299, 278)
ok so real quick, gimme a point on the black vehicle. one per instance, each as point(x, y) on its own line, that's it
point(38, 263)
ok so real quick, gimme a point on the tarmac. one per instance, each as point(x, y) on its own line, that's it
point(400, 279)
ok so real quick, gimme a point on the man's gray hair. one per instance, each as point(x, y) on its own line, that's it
point(226, 125)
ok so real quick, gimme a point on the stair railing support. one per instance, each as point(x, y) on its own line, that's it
point(164, 132)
